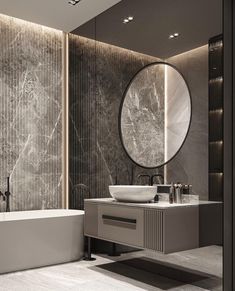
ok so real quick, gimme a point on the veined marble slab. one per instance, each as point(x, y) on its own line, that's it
point(31, 113)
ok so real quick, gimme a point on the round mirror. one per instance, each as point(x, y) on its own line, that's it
point(155, 115)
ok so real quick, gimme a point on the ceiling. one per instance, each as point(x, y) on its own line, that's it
point(154, 21)
point(55, 13)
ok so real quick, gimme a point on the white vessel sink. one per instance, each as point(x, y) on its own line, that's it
point(131, 193)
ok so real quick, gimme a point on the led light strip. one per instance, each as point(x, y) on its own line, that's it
point(165, 123)
point(65, 143)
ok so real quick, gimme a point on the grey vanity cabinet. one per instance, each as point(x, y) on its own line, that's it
point(171, 230)
point(163, 230)
point(124, 225)
point(121, 224)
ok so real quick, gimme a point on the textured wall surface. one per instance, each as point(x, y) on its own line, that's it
point(30, 110)
point(99, 74)
point(191, 164)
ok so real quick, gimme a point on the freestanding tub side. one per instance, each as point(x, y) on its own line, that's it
point(32, 239)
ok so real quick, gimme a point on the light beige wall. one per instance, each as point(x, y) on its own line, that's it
point(191, 163)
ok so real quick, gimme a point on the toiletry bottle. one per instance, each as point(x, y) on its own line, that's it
point(171, 194)
point(174, 197)
point(187, 189)
point(178, 194)
point(156, 198)
point(190, 191)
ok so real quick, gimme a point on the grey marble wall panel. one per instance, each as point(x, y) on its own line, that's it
point(191, 164)
point(99, 74)
point(30, 110)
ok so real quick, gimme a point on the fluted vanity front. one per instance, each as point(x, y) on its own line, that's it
point(162, 227)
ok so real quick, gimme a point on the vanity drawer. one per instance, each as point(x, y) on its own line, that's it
point(121, 224)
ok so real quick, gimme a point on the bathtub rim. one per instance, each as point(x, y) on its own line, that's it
point(39, 214)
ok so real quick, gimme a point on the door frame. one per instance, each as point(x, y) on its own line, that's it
point(229, 146)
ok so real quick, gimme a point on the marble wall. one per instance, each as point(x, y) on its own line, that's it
point(191, 163)
point(99, 75)
point(30, 110)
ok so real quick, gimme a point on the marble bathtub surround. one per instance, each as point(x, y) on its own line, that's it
point(155, 115)
point(31, 112)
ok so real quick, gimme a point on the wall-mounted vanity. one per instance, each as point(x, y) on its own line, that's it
point(154, 120)
point(161, 227)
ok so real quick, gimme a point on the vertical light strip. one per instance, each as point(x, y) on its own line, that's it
point(165, 123)
point(65, 126)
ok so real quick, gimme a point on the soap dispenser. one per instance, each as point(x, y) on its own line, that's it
point(178, 193)
point(171, 193)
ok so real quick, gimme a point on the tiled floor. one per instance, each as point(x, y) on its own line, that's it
point(199, 269)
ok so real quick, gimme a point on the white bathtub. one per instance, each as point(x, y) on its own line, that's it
point(32, 239)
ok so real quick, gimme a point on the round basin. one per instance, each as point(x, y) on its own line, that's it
point(131, 193)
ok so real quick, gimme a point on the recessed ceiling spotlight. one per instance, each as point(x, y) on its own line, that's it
point(74, 2)
point(128, 19)
point(175, 35)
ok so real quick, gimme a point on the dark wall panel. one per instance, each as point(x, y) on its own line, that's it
point(99, 74)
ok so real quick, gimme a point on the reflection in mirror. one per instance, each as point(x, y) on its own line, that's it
point(155, 115)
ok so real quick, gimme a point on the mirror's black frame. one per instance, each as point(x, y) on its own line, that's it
point(121, 106)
